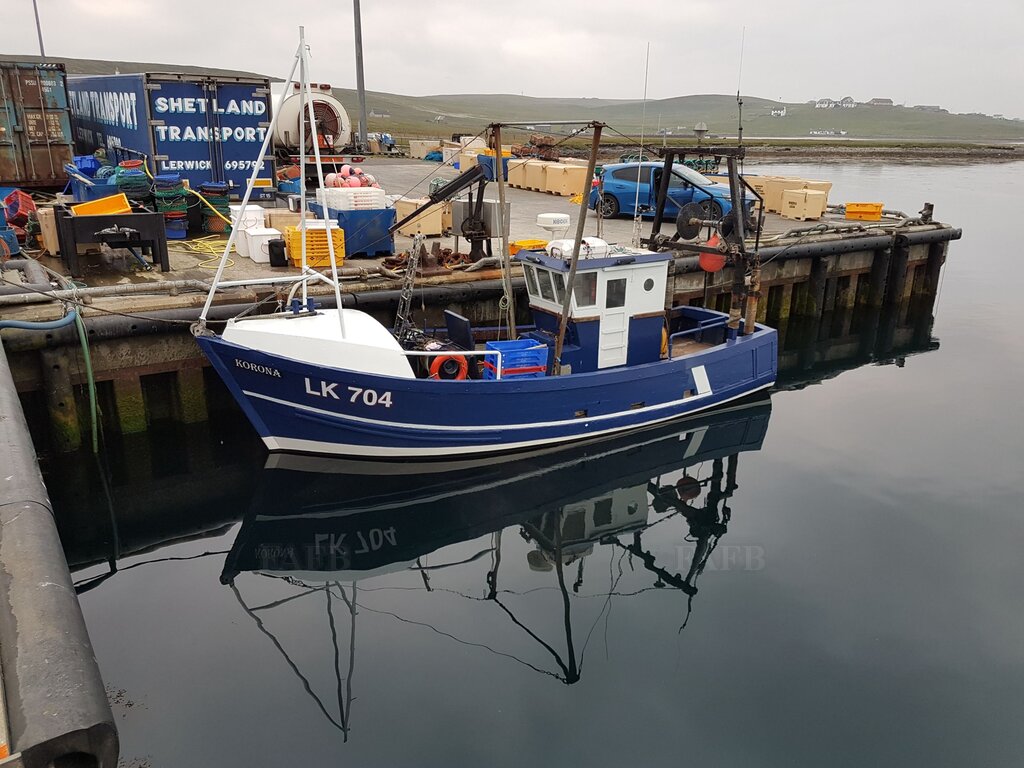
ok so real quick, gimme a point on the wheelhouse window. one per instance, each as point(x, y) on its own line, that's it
point(531, 279)
point(584, 289)
point(559, 280)
point(544, 284)
point(616, 294)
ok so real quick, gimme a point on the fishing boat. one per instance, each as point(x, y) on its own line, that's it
point(604, 355)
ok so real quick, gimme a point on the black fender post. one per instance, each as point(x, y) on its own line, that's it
point(57, 708)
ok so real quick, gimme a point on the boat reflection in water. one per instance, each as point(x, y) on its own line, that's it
point(323, 525)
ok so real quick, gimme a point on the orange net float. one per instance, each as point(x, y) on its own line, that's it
point(449, 367)
point(712, 262)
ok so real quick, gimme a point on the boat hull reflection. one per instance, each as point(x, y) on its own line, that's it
point(315, 516)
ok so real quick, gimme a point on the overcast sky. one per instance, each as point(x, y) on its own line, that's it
point(965, 57)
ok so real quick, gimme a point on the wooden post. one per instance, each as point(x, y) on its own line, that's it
point(879, 274)
point(897, 275)
point(503, 226)
point(65, 429)
point(571, 278)
point(131, 406)
point(753, 295)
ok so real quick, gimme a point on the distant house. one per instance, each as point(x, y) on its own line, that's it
point(931, 108)
point(375, 113)
point(847, 102)
point(825, 104)
point(880, 103)
point(779, 112)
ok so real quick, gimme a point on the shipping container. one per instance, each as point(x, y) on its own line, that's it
point(35, 128)
point(203, 128)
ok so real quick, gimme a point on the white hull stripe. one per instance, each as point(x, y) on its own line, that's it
point(317, 446)
point(703, 390)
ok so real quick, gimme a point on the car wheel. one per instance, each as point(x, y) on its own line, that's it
point(712, 209)
point(609, 206)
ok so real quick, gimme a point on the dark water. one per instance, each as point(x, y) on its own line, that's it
point(833, 579)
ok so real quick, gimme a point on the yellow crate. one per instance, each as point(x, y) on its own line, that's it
point(105, 205)
point(317, 252)
point(536, 176)
point(803, 204)
point(561, 179)
point(864, 211)
point(526, 245)
point(517, 171)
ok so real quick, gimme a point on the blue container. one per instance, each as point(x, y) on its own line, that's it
point(366, 232)
point(83, 193)
point(487, 163)
point(520, 359)
point(204, 128)
point(87, 164)
point(290, 186)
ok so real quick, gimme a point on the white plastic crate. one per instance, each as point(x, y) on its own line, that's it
point(256, 243)
point(352, 198)
point(253, 216)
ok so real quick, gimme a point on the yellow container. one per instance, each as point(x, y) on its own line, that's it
point(803, 204)
point(467, 160)
point(430, 222)
point(864, 211)
point(517, 172)
point(103, 206)
point(535, 175)
point(561, 179)
point(526, 245)
point(317, 252)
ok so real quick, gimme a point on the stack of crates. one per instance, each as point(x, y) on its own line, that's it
point(317, 251)
point(520, 359)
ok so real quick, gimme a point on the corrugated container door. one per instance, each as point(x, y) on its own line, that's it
point(243, 119)
point(207, 130)
point(35, 129)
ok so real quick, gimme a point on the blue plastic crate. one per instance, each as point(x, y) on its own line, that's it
point(520, 359)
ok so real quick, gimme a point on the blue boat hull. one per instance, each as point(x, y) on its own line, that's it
point(296, 406)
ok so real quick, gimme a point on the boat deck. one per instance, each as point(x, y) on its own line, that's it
point(681, 347)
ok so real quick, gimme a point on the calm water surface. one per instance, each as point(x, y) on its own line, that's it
point(833, 579)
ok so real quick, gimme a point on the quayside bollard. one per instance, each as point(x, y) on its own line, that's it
point(56, 705)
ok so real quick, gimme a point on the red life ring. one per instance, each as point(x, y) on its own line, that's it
point(441, 368)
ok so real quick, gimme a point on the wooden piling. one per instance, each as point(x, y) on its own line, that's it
point(191, 396)
point(65, 428)
point(131, 405)
point(897, 278)
point(878, 277)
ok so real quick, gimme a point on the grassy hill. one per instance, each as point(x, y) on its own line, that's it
point(99, 67)
point(415, 115)
point(470, 113)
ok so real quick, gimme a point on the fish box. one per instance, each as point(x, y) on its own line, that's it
point(467, 160)
point(419, 148)
point(430, 222)
point(520, 359)
point(517, 171)
point(536, 175)
point(252, 217)
point(803, 204)
point(864, 211)
point(565, 180)
point(317, 250)
point(257, 243)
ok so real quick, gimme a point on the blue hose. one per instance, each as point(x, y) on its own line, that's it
point(48, 325)
point(71, 318)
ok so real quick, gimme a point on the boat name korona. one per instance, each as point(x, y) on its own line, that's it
point(266, 370)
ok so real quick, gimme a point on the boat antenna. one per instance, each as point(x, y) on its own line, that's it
point(739, 99)
point(643, 125)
